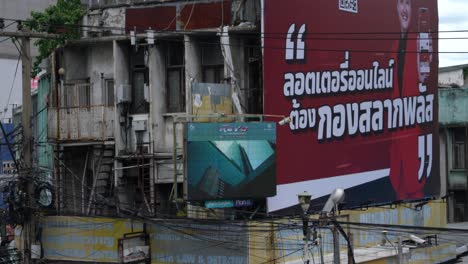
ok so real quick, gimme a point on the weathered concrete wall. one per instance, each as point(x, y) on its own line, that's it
point(75, 63)
point(240, 69)
point(158, 105)
point(240, 11)
point(105, 22)
point(121, 77)
point(246, 11)
point(100, 67)
point(193, 68)
point(453, 105)
point(450, 78)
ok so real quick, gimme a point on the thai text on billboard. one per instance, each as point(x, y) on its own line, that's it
point(359, 81)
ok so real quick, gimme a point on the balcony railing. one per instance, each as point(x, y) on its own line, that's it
point(78, 117)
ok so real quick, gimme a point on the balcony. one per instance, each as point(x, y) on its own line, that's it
point(78, 117)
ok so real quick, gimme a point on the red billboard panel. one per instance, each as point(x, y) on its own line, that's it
point(157, 18)
point(359, 80)
point(188, 15)
point(206, 15)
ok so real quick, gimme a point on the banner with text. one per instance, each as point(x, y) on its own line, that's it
point(359, 81)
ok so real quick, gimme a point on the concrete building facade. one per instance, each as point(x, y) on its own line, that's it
point(120, 103)
point(453, 121)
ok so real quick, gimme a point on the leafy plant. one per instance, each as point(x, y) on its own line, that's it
point(62, 19)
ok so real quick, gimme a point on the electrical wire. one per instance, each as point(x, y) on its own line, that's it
point(190, 229)
point(311, 49)
point(5, 39)
point(12, 86)
point(143, 28)
point(423, 228)
point(372, 51)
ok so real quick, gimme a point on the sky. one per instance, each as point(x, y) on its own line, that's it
point(453, 16)
point(7, 68)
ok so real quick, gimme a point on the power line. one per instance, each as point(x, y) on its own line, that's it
point(259, 35)
point(143, 28)
point(12, 85)
point(5, 39)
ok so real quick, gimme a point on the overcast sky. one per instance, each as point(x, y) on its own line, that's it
point(453, 16)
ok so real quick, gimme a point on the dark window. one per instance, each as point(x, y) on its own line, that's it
point(212, 63)
point(140, 83)
point(213, 74)
point(84, 94)
point(140, 104)
point(459, 141)
point(255, 98)
point(175, 78)
point(109, 89)
point(66, 95)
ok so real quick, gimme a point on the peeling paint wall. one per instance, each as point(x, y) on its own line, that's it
point(75, 63)
point(94, 62)
point(451, 77)
point(453, 105)
point(100, 67)
point(104, 22)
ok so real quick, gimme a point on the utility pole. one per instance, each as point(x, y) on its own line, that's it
point(27, 147)
point(27, 173)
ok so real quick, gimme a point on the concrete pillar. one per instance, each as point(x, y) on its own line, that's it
point(193, 68)
point(158, 106)
point(241, 68)
point(121, 77)
point(158, 93)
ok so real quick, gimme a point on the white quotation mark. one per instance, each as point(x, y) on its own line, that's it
point(425, 149)
point(295, 50)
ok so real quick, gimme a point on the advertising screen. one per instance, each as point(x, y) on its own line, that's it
point(231, 160)
point(359, 80)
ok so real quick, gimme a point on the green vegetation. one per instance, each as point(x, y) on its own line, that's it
point(63, 19)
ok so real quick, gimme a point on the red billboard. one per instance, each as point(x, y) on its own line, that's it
point(359, 80)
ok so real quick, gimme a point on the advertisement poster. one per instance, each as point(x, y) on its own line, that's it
point(231, 160)
point(209, 99)
point(359, 81)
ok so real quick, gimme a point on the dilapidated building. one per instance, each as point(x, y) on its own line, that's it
point(120, 93)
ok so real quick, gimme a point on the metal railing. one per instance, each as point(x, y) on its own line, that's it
point(78, 116)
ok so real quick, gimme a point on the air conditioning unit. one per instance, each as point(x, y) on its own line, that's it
point(139, 134)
